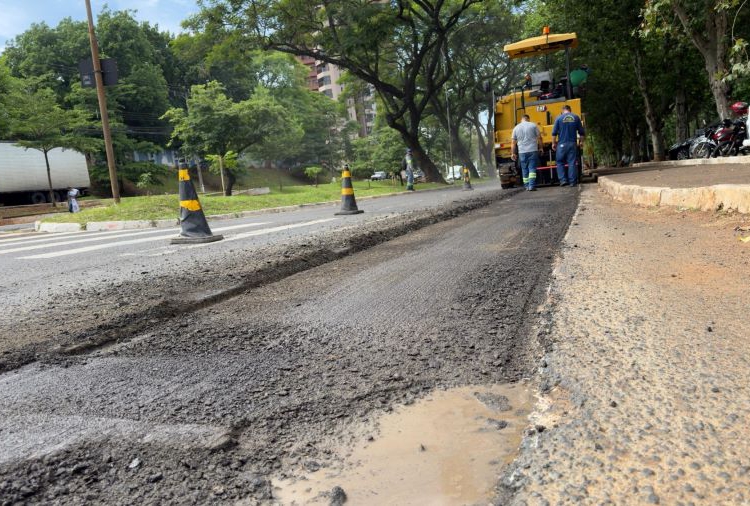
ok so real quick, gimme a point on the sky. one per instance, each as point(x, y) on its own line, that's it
point(16, 16)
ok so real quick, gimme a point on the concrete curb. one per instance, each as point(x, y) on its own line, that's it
point(57, 227)
point(718, 197)
point(97, 226)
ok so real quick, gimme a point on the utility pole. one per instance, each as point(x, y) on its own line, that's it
point(103, 106)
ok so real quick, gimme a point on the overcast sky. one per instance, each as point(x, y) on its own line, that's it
point(17, 15)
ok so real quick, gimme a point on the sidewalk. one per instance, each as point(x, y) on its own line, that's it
point(705, 185)
point(647, 373)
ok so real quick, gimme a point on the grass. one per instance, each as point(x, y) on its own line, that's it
point(157, 207)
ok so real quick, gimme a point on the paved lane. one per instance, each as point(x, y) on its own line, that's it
point(205, 406)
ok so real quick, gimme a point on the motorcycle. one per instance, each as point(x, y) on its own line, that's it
point(703, 145)
point(730, 138)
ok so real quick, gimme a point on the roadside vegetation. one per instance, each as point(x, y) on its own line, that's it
point(234, 97)
point(158, 207)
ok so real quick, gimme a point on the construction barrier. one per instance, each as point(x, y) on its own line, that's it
point(348, 203)
point(193, 224)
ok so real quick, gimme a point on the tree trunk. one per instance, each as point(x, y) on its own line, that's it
point(652, 120)
point(231, 179)
point(410, 136)
point(422, 160)
point(681, 114)
point(49, 180)
point(719, 89)
point(635, 146)
point(463, 153)
point(712, 44)
point(221, 174)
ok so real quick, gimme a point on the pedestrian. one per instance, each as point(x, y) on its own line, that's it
point(73, 206)
point(567, 134)
point(527, 142)
point(407, 166)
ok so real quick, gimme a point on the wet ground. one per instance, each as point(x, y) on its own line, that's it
point(448, 448)
point(214, 401)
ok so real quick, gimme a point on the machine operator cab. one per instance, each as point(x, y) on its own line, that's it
point(542, 97)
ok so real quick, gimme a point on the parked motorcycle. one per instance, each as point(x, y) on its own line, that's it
point(730, 137)
point(703, 145)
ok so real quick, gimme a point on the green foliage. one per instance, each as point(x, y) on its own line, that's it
point(313, 173)
point(229, 161)
point(37, 122)
point(397, 47)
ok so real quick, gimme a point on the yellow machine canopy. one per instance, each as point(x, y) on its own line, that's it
point(543, 44)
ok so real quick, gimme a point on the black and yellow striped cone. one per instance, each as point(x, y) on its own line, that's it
point(467, 179)
point(192, 220)
point(348, 203)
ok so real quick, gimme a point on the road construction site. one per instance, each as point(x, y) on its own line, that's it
point(549, 347)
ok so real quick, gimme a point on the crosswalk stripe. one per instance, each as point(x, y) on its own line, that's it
point(277, 229)
point(148, 239)
point(37, 236)
point(88, 238)
point(100, 236)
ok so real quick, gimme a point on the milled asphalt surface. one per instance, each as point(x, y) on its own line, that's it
point(202, 406)
point(647, 371)
point(690, 176)
point(94, 296)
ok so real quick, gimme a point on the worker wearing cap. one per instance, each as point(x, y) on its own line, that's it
point(567, 133)
point(527, 142)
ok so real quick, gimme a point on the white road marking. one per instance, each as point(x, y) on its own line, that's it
point(40, 236)
point(149, 239)
point(277, 229)
point(111, 235)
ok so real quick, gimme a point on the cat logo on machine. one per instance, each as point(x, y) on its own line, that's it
point(541, 108)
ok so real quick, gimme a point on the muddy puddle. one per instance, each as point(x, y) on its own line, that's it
point(446, 449)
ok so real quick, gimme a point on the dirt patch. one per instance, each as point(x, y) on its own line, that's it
point(646, 365)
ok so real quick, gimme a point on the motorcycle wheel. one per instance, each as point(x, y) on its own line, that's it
point(683, 154)
point(703, 150)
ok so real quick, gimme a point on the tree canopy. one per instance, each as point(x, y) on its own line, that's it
point(232, 83)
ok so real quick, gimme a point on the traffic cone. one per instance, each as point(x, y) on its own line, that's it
point(348, 203)
point(192, 220)
point(467, 179)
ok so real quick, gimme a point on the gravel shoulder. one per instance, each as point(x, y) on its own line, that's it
point(647, 367)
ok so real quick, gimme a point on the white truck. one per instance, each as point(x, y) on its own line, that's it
point(454, 173)
point(23, 174)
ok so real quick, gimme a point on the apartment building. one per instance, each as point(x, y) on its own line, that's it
point(325, 78)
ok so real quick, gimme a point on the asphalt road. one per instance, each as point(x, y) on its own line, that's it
point(30, 263)
point(204, 405)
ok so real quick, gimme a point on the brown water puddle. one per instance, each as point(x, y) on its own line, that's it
point(447, 449)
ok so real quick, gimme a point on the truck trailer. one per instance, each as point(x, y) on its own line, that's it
point(23, 174)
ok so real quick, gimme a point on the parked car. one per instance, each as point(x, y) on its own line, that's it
point(379, 176)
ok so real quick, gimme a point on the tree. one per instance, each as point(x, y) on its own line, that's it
point(706, 24)
point(215, 125)
point(395, 46)
point(313, 173)
point(37, 122)
point(476, 51)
